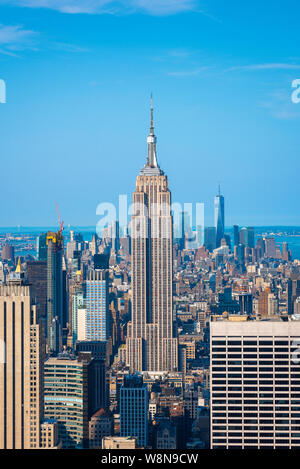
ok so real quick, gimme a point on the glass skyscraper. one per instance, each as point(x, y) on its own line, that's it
point(134, 409)
point(219, 218)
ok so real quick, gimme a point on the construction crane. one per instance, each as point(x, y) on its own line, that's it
point(61, 223)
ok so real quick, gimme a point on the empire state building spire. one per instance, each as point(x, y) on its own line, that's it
point(151, 140)
point(151, 167)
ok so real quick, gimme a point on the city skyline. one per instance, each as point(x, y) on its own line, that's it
point(150, 228)
point(82, 118)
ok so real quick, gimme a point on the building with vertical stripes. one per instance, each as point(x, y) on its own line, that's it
point(21, 367)
point(151, 344)
point(255, 384)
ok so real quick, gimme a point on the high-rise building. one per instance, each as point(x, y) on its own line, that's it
point(37, 277)
point(210, 241)
point(68, 389)
point(255, 377)
point(55, 285)
point(21, 367)
point(219, 218)
point(246, 237)
point(115, 236)
point(293, 291)
point(99, 351)
point(286, 254)
point(263, 306)
point(246, 303)
point(8, 253)
point(134, 409)
point(94, 245)
point(236, 235)
point(151, 344)
point(270, 247)
point(78, 316)
point(41, 247)
point(97, 305)
point(250, 237)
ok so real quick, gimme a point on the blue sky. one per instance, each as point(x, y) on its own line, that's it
point(79, 76)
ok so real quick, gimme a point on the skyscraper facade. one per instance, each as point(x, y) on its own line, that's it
point(151, 344)
point(255, 377)
point(21, 368)
point(41, 247)
point(134, 409)
point(37, 277)
point(68, 396)
point(55, 249)
point(210, 238)
point(219, 218)
point(97, 307)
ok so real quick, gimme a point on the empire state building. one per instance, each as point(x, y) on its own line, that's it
point(151, 345)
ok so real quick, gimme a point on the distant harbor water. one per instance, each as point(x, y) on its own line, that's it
point(288, 234)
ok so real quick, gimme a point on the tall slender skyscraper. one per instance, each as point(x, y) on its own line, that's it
point(219, 218)
point(151, 344)
point(55, 249)
point(21, 367)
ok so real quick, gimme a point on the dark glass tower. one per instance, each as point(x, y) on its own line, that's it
point(219, 218)
point(55, 299)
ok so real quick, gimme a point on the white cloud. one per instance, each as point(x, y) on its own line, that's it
point(188, 73)
point(163, 7)
point(67, 47)
point(153, 7)
point(266, 66)
point(14, 34)
point(15, 38)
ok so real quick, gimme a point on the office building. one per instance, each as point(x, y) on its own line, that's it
point(255, 384)
point(246, 237)
point(100, 353)
point(134, 409)
point(78, 316)
point(151, 344)
point(41, 247)
point(236, 235)
point(246, 303)
point(210, 240)
point(270, 248)
point(68, 394)
point(97, 305)
point(37, 277)
point(21, 367)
